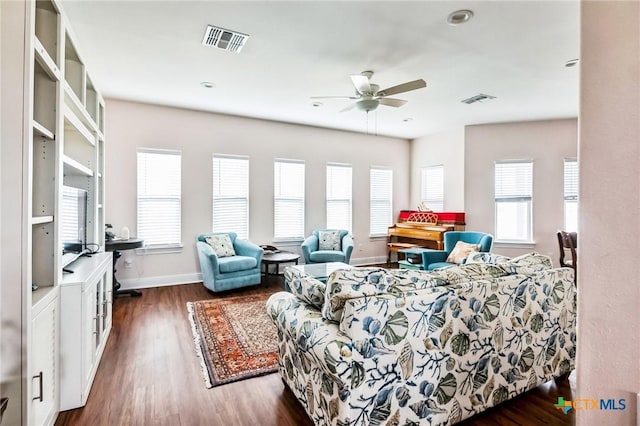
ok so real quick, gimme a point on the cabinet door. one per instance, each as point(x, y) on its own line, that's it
point(90, 330)
point(43, 364)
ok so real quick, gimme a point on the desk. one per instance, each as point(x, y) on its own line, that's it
point(278, 258)
point(116, 246)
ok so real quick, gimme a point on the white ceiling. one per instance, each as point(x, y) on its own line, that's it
point(151, 51)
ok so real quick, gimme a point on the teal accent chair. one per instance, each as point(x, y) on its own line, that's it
point(312, 254)
point(436, 259)
point(226, 273)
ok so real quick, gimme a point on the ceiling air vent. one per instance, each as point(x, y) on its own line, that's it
point(232, 41)
point(478, 98)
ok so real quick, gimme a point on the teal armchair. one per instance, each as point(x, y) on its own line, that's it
point(312, 253)
point(226, 273)
point(435, 259)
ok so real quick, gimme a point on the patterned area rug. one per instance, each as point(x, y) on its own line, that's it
point(234, 338)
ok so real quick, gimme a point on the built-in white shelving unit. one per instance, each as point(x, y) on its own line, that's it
point(63, 144)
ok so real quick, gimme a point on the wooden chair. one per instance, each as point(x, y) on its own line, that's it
point(569, 241)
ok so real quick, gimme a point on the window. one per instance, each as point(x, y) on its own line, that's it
point(159, 197)
point(339, 196)
point(288, 200)
point(231, 195)
point(571, 195)
point(433, 187)
point(381, 201)
point(513, 191)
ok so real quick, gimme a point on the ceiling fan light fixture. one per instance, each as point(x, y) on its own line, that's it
point(459, 17)
point(367, 104)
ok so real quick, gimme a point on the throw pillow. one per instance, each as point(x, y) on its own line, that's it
point(329, 240)
point(221, 245)
point(483, 257)
point(306, 289)
point(461, 251)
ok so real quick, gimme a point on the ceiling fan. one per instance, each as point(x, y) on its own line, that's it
point(369, 95)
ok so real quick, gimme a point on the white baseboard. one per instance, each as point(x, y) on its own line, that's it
point(167, 280)
point(161, 281)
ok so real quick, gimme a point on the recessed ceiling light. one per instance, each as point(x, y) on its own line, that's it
point(207, 84)
point(572, 63)
point(459, 17)
point(408, 119)
point(317, 104)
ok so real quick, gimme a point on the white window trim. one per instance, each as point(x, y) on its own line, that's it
point(350, 199)
point(384, 168)
point(304, 201)
point(248, 198)
point(423, 172)
point(512, 243)
point(161, 248)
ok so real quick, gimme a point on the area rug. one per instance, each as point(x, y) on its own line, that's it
point(234, 338)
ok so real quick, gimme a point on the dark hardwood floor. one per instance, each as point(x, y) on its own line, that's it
point(149, 375)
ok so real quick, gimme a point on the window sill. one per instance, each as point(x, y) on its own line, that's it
point(160, 249)
point(515, 244)
point(288, 242)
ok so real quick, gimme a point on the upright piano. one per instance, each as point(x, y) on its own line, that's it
point(422, 229)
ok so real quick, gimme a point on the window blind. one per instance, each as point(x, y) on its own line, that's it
point(433, 187)
point(288, 200)
point(513, 181)
point(339, 196)
point(381, 200)
point(231, 195)
point(513, 193)
point(571, 195)
point(570, 180)
point(159, 197)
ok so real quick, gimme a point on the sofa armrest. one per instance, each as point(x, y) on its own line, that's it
point(433, 256)
point(309, 245)
point(347, 247)
point(247, 248)
point(208, 259)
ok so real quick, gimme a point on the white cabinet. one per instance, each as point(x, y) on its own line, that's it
point(85, 322)
point(52, 135)
point(43, 371)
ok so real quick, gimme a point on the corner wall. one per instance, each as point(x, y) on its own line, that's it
point(446, 148)
point(547, 143)
point(608, 363)
point(199, 135)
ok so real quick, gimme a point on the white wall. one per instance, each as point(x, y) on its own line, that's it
point(446, 148)
point(608, 363)
point(198, 135)
point(547, 143)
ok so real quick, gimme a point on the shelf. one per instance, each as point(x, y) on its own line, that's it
point(72, 167)
point(47, 63)
point(75, 124)
point(74, 104)
point(41, 297)
point(40, 130)
point(38, 220)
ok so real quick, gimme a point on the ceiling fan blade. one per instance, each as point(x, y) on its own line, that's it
point(349, 108)
point(362, 83)
point(392, 102)
point(333, 97)
point(404, 87)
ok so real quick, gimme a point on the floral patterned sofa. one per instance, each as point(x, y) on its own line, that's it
point(404, 347)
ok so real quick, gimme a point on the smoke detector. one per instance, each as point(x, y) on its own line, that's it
point(232, 41)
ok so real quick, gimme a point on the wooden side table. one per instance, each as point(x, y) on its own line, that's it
point(277, 258)
point(116, 246)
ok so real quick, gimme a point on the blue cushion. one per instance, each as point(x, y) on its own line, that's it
point(236, 263)
point(438, 265)
point(324, 256)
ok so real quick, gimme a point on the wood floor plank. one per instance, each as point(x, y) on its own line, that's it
point(150, 375)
